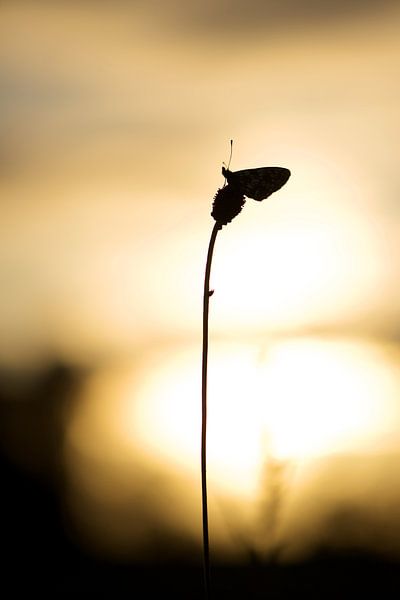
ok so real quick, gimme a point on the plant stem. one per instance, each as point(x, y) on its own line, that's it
point(206, 299)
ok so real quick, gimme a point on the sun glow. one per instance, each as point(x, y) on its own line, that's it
point(167, 414)
point(293, 399)
point(297, 270)
point(326, 397)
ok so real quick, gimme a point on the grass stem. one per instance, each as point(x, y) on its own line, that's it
point(206, 300)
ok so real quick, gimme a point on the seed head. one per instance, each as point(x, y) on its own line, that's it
point(228, 202)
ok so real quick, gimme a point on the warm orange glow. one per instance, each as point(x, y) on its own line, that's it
point(115, 119)
point(167, 415)
point(302, 399)
point(325, 397)
point(286, 401)
point(99, 218)
point(292, 270)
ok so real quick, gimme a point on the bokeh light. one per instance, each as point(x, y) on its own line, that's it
point(286, 401)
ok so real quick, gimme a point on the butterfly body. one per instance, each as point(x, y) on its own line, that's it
point(259, 183)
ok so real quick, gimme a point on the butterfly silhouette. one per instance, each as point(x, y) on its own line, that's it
point(257, 184)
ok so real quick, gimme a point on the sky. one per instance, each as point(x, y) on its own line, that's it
point(115, 126)
point(115, 119)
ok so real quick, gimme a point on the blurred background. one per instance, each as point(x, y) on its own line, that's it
point(115, 119)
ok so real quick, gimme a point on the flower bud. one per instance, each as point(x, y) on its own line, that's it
point(228, 202)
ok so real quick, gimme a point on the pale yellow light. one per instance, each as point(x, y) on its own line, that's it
point(304, 399)
point(323, 397)
point(291, 271)
point(167, 414)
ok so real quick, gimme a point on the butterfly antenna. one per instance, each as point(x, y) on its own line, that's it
point(230, 155)
point(229, 162)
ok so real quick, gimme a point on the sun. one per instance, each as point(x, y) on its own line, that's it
point(326, 396)
point(301, 398)
point(167, 414)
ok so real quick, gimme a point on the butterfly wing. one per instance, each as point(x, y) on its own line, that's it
point(257, 184)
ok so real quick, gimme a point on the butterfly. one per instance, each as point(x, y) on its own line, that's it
point(257, 184)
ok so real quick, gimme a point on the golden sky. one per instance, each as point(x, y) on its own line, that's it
point(115, 119)
point(114, 128)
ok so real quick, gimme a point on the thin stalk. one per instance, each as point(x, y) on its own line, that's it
point(206, 299)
